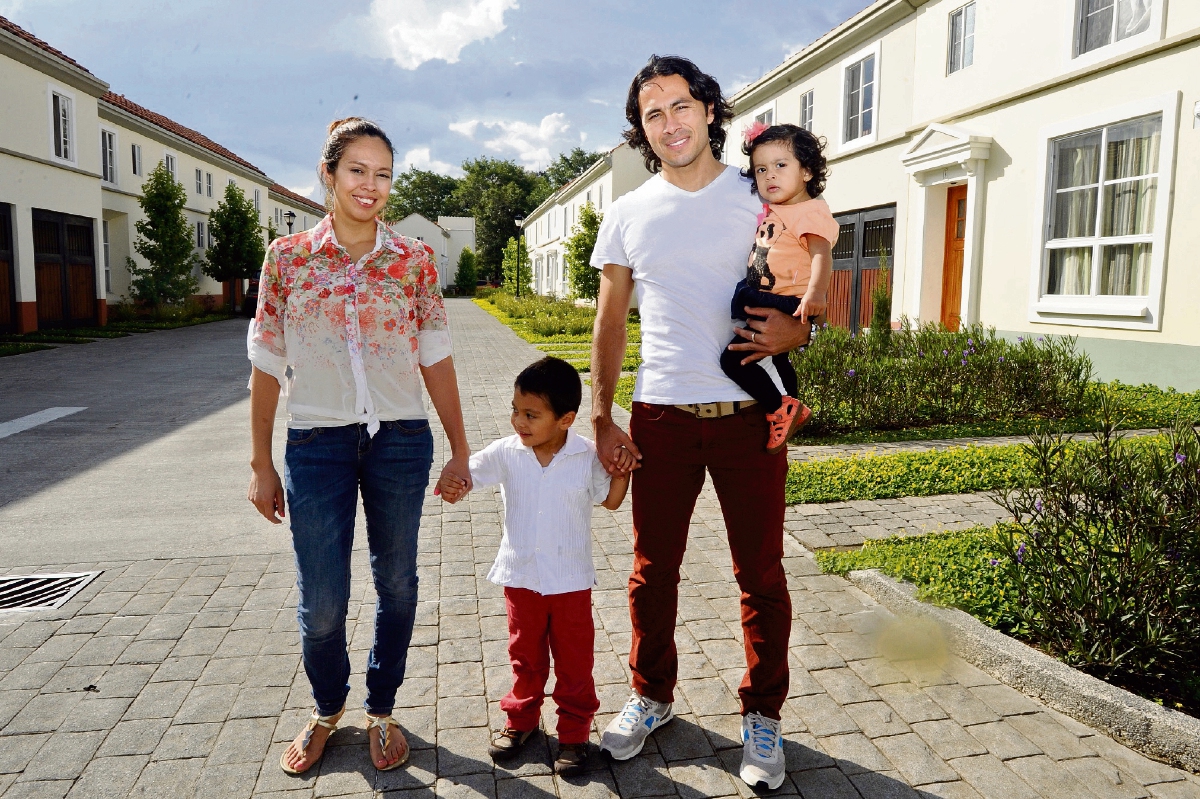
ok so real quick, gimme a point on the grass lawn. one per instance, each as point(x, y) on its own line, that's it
point(20, 347)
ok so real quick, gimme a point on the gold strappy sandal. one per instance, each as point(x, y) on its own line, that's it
point(382, 723)
point(314, 721)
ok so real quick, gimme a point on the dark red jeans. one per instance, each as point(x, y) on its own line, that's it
point(676, 449)
point(538, 626)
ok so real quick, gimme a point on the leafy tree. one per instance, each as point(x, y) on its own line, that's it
point(419, 191)
point(585, 281)
point(165, 241)
point(497, 192)
point(238, 247)
point(509, 267)
point(466, 276)
point(568, 166)
point(272, 232)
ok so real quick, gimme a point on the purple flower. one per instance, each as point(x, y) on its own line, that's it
point(1041, 339)
point(1180, 457)
point(993, 562)
point(945, 352)
point(964, 361)
point(1021, 553)
point(920, 354)
point(850, 373)
point(1038, 506)
point(1001, 359)
point(1020, 339)
point(965, 352)
point(970, 342)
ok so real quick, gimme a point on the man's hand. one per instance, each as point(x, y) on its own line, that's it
point(774, 333)
point(616, 450)
point(266, 492)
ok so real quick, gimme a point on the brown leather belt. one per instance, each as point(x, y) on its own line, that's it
point(716, 410)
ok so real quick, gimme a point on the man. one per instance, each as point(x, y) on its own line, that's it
point(681, 241)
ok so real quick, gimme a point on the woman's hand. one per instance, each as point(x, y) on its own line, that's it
point(266, 492)
point(455, 480)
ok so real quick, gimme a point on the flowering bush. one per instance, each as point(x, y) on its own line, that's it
point(916, 377)
point(1105, 556)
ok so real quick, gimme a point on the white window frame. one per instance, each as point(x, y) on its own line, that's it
point(72, 139)
point(230, 182)
point(108, 158)
point(107, 258)
point(768, 110)
point(600, 207)
point(208, 184)
point(807, 99)
point(200, 182)
point(136, 162)
point(171, 163)
point(1107, 311)
point(1154, 32)
point(950, 68)
point(201, 228)
point(257, 199)
point(874, 49)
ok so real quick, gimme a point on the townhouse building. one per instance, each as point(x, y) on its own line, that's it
point(73, 158)
point(448, 237)
point(546, 230)
point(1030, 165)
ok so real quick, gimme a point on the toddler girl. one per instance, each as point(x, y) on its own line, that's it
point(790, 262)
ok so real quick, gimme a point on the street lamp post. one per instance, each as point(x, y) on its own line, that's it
point(520, 235)
point(290, 216)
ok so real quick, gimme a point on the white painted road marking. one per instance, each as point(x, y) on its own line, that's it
point(34, 419)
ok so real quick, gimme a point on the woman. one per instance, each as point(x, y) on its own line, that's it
point(349, 315)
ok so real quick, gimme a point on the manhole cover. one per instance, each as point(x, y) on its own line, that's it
point(41, 591)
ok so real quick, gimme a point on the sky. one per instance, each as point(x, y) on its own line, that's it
point(448, 80)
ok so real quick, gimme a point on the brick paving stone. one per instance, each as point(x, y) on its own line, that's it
point(213, 641)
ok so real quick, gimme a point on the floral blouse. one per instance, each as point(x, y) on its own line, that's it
point(345, 339)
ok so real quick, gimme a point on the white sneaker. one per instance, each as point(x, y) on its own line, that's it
point(625, 735)
point(762, 751)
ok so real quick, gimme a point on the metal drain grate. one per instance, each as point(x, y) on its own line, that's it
point(41, 591)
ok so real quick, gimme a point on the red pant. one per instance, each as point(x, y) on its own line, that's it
point(676, 449)
point(538, 626)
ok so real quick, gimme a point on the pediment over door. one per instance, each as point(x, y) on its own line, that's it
point(942, 153)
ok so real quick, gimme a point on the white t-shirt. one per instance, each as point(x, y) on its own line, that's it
point(687, 250)
point(546, 544)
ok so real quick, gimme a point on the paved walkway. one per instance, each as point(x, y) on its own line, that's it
point(180, 677)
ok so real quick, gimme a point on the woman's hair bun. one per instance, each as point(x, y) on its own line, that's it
point(337, 123)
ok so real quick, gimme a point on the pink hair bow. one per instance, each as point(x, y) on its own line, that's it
point(754, 131)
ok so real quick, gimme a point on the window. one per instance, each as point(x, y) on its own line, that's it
point(766, 117)
point(589, 198)
point(170, 163)
point(64, 124)
point(1102, 22)
point(305, 224)
point(107, 262)
point(962, 39)
point(1101, 226)
point(600, 189)
point(208, 184)
point(806, 110)
point(278, 217)
point(108, 156)
point(208, 238)
point(231, 182)
point(257, 200)
point(200, 238)
point(859, 100)
point(199, 181)
point(136, 163)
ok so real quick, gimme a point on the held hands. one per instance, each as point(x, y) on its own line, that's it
point(455, 480)
point(266, 492)
point(773, 333)
point(617, 453)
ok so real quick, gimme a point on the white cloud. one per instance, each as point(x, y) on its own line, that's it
point(421, 158)
point(411, 32)
point(9, 7)
point(534, 145)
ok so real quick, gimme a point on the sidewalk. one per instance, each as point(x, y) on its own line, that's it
point(173, 678)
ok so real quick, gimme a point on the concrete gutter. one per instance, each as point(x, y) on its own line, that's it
point(1155, 731)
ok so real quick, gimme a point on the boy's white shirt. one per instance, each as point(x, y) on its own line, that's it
point(546, 544)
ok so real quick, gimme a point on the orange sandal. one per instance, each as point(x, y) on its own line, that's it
point(791, 416)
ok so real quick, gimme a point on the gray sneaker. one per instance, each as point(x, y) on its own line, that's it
point(625, 735)
point(762, 751)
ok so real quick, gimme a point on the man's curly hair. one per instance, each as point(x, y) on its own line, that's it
point(703, 87)
point(804, 145)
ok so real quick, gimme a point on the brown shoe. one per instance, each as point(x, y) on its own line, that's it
point(571, 759)
point(508, 743)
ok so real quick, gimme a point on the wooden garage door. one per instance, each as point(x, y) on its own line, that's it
point(8, 278)
point(864, 237)
point(64, 269)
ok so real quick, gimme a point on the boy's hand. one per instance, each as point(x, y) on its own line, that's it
point(625, 461)
point(450, 487)
point(814, 303)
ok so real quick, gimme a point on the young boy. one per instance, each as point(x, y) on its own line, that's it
point(549, 479)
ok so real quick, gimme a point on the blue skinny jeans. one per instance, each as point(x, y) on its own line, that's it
point(325, 468)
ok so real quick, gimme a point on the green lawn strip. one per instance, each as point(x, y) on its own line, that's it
point(20, 347)
point(520, 327)
point(146, 325)
point(957, 470)
point(952, 569)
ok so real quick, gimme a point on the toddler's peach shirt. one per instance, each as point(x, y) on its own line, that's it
point(789, 258)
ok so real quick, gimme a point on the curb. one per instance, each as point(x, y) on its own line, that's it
point(1157, 732)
